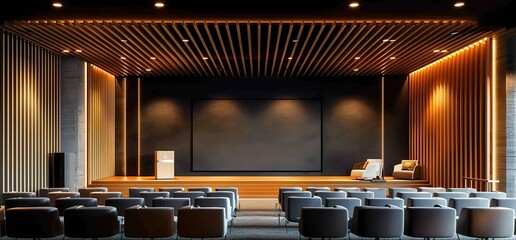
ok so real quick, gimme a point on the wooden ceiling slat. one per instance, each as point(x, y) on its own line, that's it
point(230, 40)
point(240, 44)
point(276, 49)
point(305, 42)
point(287, 42)
point(193, 58)
point(300, 32)
point(224, 51)
point(269, 33)
point(207, 49)
point(312, 46)
point(259, 46)
point(250, 48)
point(200, 53)
point(321, 46)
point(343, 39)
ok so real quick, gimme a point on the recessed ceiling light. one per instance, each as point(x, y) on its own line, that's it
point(355, 70)
point(185, 40)
point(392, 58)
point(459, 4)
point(122, 58)
point(289, 58)
point(437, 50)
point(443, 51)
point(454, 33)
point(124, 40)
point(392, 40)
point(66, 51)
point(57, 5)
point(357, 58)
point(78, 50)
point(148, 69)
point(205, 58)
point(389, 40)
point(354, 4)
point(295, 40)
point(159, 4)
point(153, 58)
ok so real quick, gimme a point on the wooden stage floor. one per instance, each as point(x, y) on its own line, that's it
point(250, 186)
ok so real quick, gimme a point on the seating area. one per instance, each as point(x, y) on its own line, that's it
point(324, 212)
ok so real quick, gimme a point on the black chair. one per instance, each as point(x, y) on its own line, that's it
point(33, 222)
point(27, 202)
point(8, 195)
point(91, 222)
point(64, 203)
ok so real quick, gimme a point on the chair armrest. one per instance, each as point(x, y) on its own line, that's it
point(416, 172)
point(397, 167)
point(359, 165)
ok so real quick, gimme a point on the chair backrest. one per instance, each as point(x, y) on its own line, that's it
point(465, 190)
point(27, 202)
point(64, 203)
point(488, 195)
point(33, 222)
point(192, 195)
point(141, 222)
point(346, 189)
point(503, 202)
point(380, 202)
point(215, 202)
point(287, 189)
point(55, 195)
point(85, 192)
point(362, 195)
point(205, 190)
point(8, 195)
point(406, 195)
point(377, 164)
point(333, 194)
point(43, 192)
point(121, 204)
point(426, 202)
point(323, 222)
point(460, 203)
point(148, 196)
point(230, 195)
point(175, 203)
point(135, 191)
point(393, 192)
point(231, 189)
point(431, 189)
point(448, 195)
point(378, 192)
point(171, 190)
point(288, 194)
point(295, 204)
point(102, 196)
point(349, 203)
point(314, 189)
point(201, 222)
point(430, 222)
point(91, 222)
point(486, 222)
point(377, 222)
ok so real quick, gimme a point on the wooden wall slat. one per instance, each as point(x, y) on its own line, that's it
point(448, 112)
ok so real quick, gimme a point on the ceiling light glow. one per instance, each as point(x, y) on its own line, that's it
point(57, 5)
point(122, 58)
point(392, 58)
point(289, 58)
point(78, 50)
point(355, 70)
point(354, 4)
point(123, 40)
point(357, 58)
point(66, 51)
point(148, 69)
point(153, 58)
point(205, 58)
point(185, 40)
point(159, 4)
point(459, 4)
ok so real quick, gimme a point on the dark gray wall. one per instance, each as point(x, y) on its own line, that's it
point(351, 118)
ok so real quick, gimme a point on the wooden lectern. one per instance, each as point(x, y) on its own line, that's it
point(164, 164)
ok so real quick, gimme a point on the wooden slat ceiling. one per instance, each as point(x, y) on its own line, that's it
point(293, 49)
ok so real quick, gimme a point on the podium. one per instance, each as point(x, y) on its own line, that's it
point(164, 164)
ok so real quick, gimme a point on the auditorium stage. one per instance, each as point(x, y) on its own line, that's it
point(250, 186)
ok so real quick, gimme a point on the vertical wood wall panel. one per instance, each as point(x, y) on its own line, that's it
point(448, 117)
point(30, 92)
point(101, 124)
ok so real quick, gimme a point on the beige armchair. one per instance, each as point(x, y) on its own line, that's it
point(407, 169)
point(372, 168)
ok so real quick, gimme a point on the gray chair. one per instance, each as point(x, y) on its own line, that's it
point(102, 196)
point(380, 202)
point(323, 222)
point(64, 203)
point(8, 195)
point(235, 191)
point(121, 204)
point(148, 196)
point(229, 194)
point(393, 192)
point(314, 189)
point(175, 203)
point(377, 222)
point(91, 222)
point(346, 189)
point(85, 192)
point(201, 222)
point(33, 222)
point(171, 190)
point(460, 203)
point(430, 222)
point(406, 195)
point(205, 190)
point(349, 203)
point(285, 196)
point(448, 195)
point(486, 222)
point(426, 202)
point(334, 194)
point(431, 189)
point(141, 222)
point(191, 195)
point(488, 195)
point(295, 204)
point(43, 192)
point(55, 195)
point(464, 190)
point(286, 189)
point(361, 195)
point(27, 202)
point(503, 202)
point(378, 192)
point(222, 202)
point(135, 191)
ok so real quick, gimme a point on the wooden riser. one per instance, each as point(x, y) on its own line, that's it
point(250, 186)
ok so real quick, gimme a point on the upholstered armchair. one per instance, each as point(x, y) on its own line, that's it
point(407, 169)
point(372, 168)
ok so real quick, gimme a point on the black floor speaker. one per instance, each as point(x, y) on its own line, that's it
point(61, 166)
